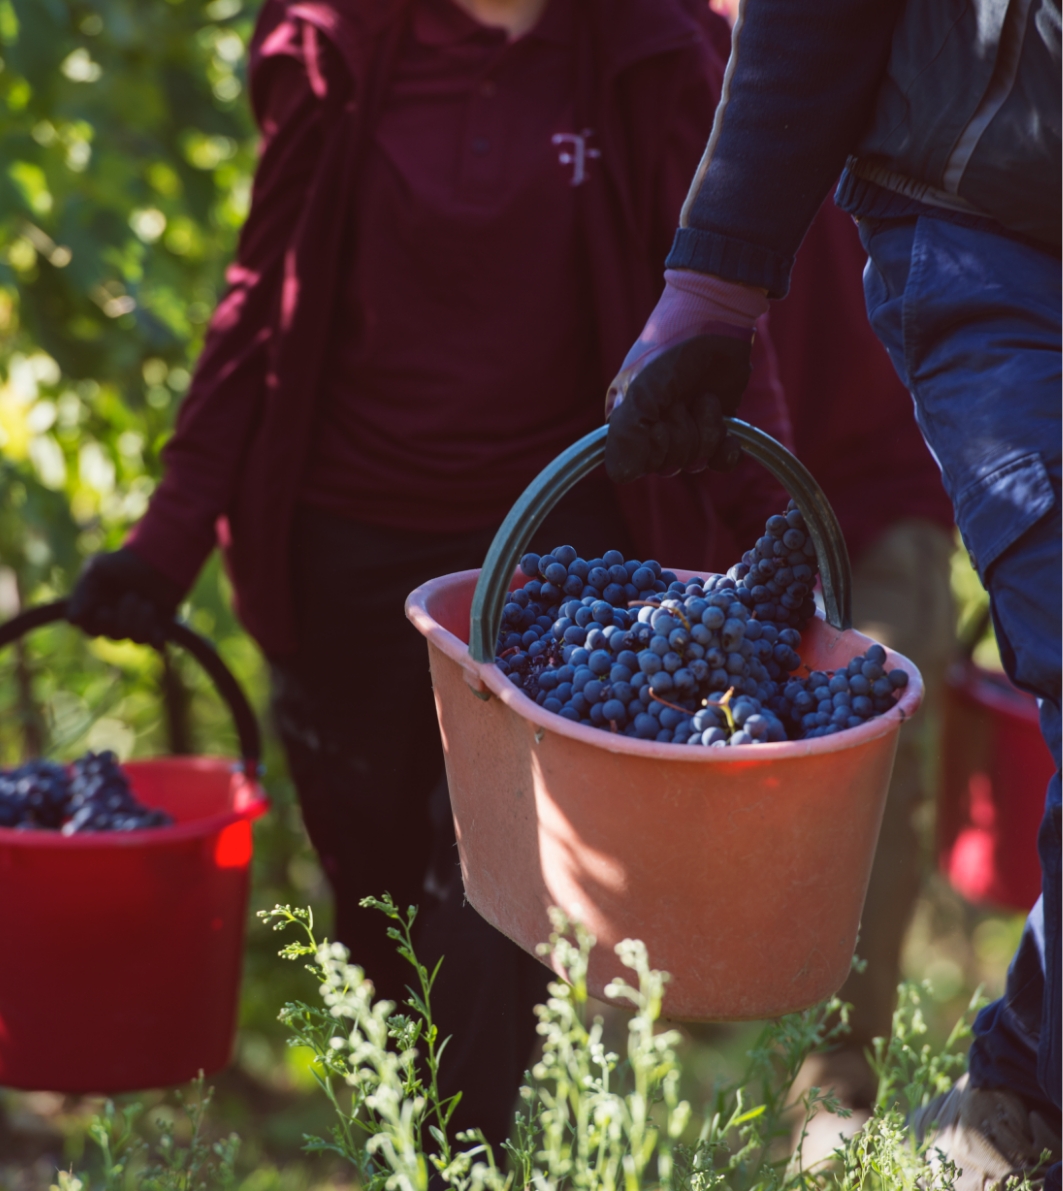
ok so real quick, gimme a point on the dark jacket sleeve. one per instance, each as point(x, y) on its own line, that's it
point(685, 520)
point(800, 86)
point(291, 75)
point(698, 79)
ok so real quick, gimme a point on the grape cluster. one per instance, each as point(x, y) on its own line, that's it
point(94, 795)
point(823, 703)
point(779, 572)
point(628, 647)
point(34, 795)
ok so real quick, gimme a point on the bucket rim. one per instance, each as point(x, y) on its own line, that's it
point(254, 802)
point(487, 677)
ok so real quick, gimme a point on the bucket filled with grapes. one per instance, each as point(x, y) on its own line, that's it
point(125, 887)
point(696, 760)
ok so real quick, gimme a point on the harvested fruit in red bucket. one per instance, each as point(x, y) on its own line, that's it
point(137, 876)
point(743, 868)
point(706, 661)
point(93, 795)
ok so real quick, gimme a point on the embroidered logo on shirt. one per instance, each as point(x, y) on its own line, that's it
point(574, 151)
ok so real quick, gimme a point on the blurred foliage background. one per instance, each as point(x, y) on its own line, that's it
point(126, 150)
point(126, 157)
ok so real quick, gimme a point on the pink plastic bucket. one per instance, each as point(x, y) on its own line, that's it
point(743, 870)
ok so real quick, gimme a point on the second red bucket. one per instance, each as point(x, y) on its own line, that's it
point(123, 950)
point(994, 773)
point(743, 870)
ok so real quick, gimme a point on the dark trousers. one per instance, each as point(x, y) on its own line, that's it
point(355, 711)
point(971, 322)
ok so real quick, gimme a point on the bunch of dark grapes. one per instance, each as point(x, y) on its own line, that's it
point(34, 796)
point(94, 796)
point(780, 572)
point(101, 799)
point(628, 647)
point(823, 703)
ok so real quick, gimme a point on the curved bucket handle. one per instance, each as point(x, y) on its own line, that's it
point(572, 465)
point(199, 647)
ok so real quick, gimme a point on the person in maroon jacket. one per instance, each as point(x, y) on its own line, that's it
point(458, 223)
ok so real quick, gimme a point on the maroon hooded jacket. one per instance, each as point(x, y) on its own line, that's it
point(648, 84)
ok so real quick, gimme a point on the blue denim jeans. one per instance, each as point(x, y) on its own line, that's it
point(971, 321)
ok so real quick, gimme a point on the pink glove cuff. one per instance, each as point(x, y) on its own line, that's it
point(690, 297)
point(692, 304)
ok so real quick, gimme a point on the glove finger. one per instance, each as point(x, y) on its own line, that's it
point(152, 630)
point(657, 441)
point(78, 609)
point(157, 637)
point(88, 593)
point(707, 413)
point(682, 440)
point(709, 444)
point(140, 620)
point(126, 619)
point(629, 445)
point(143, 623)
point(101, 623)
point(629, 451)
point(727, 455)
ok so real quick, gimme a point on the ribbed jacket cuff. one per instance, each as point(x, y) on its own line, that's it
point(734, 260)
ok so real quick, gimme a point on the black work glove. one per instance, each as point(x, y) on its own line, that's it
point(120, 595)
point(668, 417)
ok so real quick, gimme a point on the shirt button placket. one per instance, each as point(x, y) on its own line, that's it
point(484, 148)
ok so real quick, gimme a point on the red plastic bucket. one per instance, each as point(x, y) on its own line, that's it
point(743, 870)
point(996, 768)
point(122, 952)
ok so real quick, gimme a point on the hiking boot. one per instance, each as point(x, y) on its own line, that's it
point(988, 1133)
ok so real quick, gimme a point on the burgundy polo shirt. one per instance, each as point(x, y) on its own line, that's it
point(465, 354)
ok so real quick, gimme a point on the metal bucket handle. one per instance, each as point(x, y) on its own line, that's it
point(572, 465)
point(199, 647)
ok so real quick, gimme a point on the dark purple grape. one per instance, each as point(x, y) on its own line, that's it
point(600, 662)
point(615, 711)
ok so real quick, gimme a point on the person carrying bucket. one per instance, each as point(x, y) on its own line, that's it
point(434, 284)
point(846, 401)
point(947, 124)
